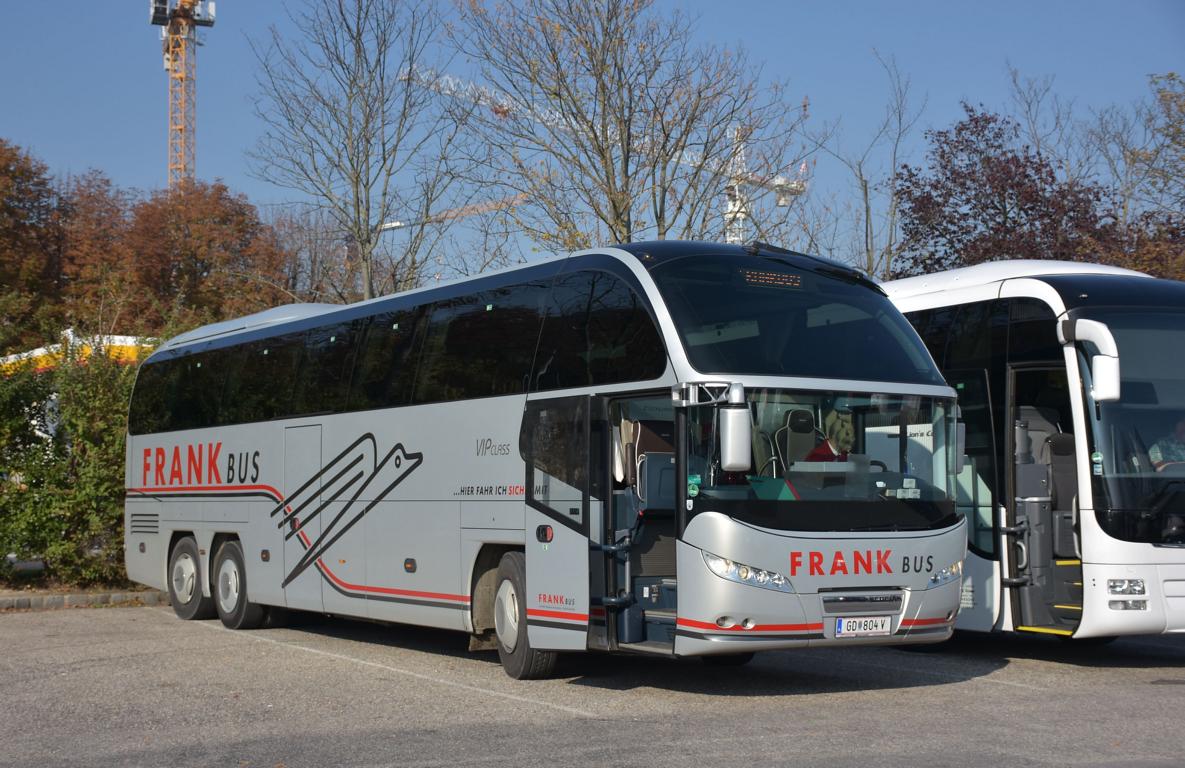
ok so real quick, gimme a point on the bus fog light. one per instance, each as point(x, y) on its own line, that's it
point(746, 574)
point(947, 575)
point(1128, 605)
point(1125, 586)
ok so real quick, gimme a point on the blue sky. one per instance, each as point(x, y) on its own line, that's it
point(83, 85)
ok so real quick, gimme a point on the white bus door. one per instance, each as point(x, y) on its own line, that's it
point(563, 478)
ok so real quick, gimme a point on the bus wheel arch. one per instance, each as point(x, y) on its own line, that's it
point(483, 586)
point(183, 577)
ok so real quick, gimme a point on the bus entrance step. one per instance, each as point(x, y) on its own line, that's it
point(649, 646)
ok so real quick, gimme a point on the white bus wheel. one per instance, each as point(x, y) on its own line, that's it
point(230, 589)
point(185, 582)
point(730, 660)
point(519, 659)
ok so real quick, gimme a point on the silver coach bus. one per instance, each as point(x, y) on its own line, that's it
point(670, 448)
point(1071, 384)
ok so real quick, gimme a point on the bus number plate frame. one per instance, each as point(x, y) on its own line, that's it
point(863, 626)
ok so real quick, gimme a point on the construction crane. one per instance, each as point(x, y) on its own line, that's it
point(740, 182)
point(459, 213)
point(180, 19)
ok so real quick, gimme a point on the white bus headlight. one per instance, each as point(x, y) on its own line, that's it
point(947, 575)
point(746, 574)
point(1125, 586)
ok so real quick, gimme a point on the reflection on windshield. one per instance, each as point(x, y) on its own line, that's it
point(830, 461)
point(761, 316)
point(1138, 453)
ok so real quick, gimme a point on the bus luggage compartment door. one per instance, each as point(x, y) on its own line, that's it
point(300, 527)
point(555, 445)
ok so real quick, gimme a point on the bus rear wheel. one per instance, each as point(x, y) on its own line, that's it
point(519, 659)
point(185, 583)
point(230, 589)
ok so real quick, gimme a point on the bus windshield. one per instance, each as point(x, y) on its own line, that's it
point(831, 461)
point(762, 316)
point(1138, 443)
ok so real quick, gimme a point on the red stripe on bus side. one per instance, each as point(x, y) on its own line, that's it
point(924, 622)
point(542, 614)
point(693, 624)
point(191, 488)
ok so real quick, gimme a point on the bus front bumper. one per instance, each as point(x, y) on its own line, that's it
point(1113, 603)
point(717, 616)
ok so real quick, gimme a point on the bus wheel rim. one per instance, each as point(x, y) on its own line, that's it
point(506, 616)
point(228, 586)
point(184, 577)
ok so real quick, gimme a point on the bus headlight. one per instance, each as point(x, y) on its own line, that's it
point(1125, 586)
point(947, 574)
point(746, 574)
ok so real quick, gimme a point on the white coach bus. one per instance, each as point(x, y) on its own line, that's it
point(671, 448)
point(1071, 385)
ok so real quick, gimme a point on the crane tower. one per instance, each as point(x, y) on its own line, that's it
point(180, 19)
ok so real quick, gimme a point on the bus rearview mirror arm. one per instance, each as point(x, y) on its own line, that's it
point(1104, 366)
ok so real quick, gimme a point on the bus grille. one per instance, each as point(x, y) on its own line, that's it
point(145, 522)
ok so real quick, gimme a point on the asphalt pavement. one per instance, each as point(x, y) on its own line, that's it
point(137, 686)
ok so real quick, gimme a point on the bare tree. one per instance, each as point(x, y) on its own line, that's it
point(345, 125)
point(612, 123)
point(1050, 126)
point(873, 170)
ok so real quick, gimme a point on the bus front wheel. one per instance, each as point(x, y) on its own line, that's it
point(519, 659)
point(185, 582)
point(230, 589)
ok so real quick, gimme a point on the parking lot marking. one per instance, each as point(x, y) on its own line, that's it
point(407, 672)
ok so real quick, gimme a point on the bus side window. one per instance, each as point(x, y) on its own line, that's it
point(555, 447)
point(198, 389)
point(597, 331)
point(933, 326)
point(481, 346)
point(1033, 333)
point(975, 485)
point(385, 371)
point(323, 378)
point(273, 361)
point(150, 410)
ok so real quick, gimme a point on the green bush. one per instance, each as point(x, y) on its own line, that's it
point(62, 468)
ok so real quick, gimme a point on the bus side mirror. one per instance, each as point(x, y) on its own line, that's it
point(1104, 376)
point(736, 432)
point(1104, 366)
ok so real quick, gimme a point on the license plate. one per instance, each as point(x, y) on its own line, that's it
point(863, 626)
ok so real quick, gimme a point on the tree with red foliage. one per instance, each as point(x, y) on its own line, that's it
point(984, 196)
point(29, 249)
point(199, 253)
point(96, 259)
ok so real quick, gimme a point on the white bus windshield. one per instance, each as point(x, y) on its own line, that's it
point(1138, 451)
